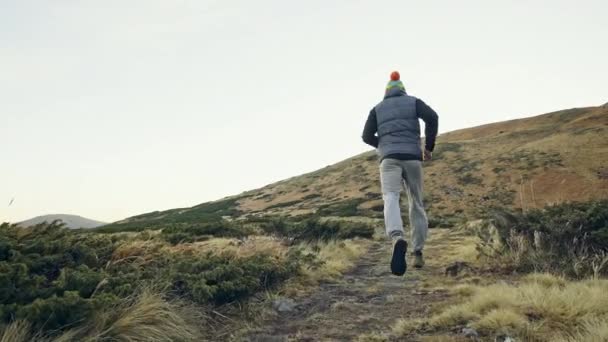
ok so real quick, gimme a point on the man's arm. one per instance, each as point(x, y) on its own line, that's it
point(370, 129)
point(431, 123)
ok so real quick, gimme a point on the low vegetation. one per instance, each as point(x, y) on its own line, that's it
point(56, 283)
point(142, 317)
point(569, 238)
point(181, 233)
point(442, 148)
point(206, 212)
point(344, 208)
point(554, 259)
point(443, 221)
point(542, 307)
point(527, 160)
point(313, 229)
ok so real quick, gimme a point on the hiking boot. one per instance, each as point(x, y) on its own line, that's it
point(398, 263)
point(418, 259)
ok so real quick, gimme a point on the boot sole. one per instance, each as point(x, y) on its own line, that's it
point(398, 263)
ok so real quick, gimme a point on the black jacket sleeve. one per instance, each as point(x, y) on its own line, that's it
point(370, 129)
point(431, 123)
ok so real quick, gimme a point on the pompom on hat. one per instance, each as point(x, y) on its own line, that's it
point(395, 81)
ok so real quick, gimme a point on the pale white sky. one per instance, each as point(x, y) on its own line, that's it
point(117, 107)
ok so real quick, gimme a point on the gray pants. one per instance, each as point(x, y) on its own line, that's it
point(394, 173)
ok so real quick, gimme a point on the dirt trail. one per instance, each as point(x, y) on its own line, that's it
point(368, 299)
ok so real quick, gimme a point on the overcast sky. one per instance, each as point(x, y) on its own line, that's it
point(117, 107)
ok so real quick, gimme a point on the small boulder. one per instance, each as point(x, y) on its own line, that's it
point(504, 338)
point(457, 267)
point(283, 304)
point(470, 333)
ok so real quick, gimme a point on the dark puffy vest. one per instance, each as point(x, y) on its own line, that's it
point(398, 125)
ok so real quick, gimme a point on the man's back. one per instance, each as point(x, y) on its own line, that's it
point(397, 125)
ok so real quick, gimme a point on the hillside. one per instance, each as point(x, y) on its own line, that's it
point(230, 270)
point(528, 163)
point(70, 221)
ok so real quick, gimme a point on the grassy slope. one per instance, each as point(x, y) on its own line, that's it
point(558, 156)
point(531, 162)
point(473, 167)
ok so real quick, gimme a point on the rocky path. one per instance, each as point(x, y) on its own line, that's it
point(368, 300)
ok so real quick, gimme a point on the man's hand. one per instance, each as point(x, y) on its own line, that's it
point(428, 155)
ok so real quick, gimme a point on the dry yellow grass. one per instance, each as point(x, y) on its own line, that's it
point(448, 246)
point(592, 330)
point(261, 245)
point(453, 247)
point(138, 251)
point(502, 321)
point(545, 279)
point(541, 307)
point(146, 317)
point(403, 327)
point(17, 331)
point(240, 248)
point(337, 257)
point(463, 290)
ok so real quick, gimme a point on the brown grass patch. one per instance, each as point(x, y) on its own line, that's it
point(240, 248)
point(144, 317)
point(540, 308)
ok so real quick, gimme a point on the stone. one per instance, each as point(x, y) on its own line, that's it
point(457, 267)
point(470, 333)
point(283, 304)
point(504, 338)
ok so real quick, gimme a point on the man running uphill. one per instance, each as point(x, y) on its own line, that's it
point(392, 127)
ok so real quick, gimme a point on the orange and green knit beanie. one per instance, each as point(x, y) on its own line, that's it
point(395, 82)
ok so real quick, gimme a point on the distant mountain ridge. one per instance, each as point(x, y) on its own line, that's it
point(71, 221)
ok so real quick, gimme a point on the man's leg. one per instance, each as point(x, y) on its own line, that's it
point(418, 219)
point(390, 179)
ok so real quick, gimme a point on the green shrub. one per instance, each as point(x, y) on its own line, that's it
point(206, 212)
point(526, 160)
point(465, 166)
point(311, 196)
point(443, 221)
point(344, 208)
point(81, 279)
point(56, 278)
point(468, 178)
point(377, 208)
point(223, 278)
point(57, 312)
point(441, 149)
point(179, 233)
point(315, 229)
point(570, 238)
point(284, 204)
